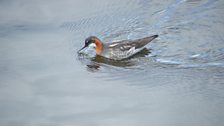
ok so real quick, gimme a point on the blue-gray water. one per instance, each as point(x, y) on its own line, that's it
point(43, 82)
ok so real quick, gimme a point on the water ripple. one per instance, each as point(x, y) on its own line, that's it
point(186, 41)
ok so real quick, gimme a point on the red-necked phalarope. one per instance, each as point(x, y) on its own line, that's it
point(118, 50)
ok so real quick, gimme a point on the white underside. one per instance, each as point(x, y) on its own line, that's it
point(118, 55)
point(113, 54)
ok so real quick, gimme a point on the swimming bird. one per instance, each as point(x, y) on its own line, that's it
point(117, 50)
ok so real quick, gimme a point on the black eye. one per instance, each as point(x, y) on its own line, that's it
point(87, 42)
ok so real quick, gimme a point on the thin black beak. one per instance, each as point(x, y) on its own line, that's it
point(82, 48)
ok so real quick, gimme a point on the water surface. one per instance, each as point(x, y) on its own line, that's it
point(178, 80)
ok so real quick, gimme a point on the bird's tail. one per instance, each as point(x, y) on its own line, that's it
point(143, 41)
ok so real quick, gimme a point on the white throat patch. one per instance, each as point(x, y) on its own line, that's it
point(92, 45)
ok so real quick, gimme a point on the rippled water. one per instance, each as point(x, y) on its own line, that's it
point(177, 80)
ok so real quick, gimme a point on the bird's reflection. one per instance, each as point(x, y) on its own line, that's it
point(93, 64)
